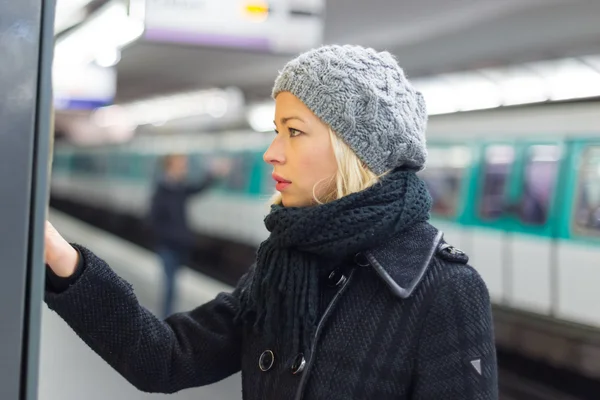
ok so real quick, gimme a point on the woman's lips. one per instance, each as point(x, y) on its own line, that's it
point(282, 183)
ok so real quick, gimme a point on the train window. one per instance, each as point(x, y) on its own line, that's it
point(497, 166)
point(539, 181)
point(117, 164)
point(586, 218)
point(81, 163)
point(148, 166)
point(267, 184)
point(444, 175)
point(60, 162)
point(196, 167)
point(90, 164)
point(239, 177)
point(122, 164)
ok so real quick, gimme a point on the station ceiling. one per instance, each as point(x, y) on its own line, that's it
point(427, 36)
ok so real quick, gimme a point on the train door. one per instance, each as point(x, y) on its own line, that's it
point(447, 176)
point(26, 41)
point(489, 219)
point(531, 223)
point(577, 270)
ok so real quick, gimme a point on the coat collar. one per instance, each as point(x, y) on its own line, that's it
point(403, 260)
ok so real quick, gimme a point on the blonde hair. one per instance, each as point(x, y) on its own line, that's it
point(352, 174)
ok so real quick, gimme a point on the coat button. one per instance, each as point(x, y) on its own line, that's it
point(336, 278)
point(266, 360)
point(361, 260)
point(452, 254)
point(454, 250)
point(299, 364)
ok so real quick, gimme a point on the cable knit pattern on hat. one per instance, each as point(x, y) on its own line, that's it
point(365, 97)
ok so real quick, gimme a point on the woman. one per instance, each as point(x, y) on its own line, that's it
point(353, 295)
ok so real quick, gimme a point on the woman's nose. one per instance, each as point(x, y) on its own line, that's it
point(274, 154)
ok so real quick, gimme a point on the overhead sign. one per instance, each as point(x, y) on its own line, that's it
point(83, 87)
point(278, 26)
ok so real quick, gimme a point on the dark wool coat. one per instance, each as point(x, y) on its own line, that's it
point(407, 320)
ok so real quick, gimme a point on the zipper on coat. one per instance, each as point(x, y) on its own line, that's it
point(304, 379)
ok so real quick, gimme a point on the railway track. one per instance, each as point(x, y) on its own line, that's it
point(516, 387)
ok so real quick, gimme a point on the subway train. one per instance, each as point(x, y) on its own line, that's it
point(517, 189)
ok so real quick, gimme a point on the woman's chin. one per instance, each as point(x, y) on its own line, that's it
point(288, 201)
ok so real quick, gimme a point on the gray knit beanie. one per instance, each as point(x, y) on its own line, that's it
point(364, 96)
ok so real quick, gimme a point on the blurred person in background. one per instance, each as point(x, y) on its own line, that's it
point(353, 295)
point(168, 217)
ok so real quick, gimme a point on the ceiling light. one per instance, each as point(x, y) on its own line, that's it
point(111, 27)
point(69, 13)
point(108, 57)
point(215, 103)
point(568, 78)
point(260, 116)
point(563, 79)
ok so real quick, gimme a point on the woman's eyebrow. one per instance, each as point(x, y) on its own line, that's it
point(284, 120)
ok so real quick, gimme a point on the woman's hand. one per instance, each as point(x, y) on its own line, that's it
point(59, 255)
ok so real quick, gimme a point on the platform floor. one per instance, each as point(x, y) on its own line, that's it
point(69, 370)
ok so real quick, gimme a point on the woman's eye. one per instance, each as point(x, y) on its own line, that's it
point(294, 132)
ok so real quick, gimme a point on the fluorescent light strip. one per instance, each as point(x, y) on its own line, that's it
point(563, 79)
point(69, 13)
point(109, 29)
point(555, 80)
point(215, 103)
point(260, 116)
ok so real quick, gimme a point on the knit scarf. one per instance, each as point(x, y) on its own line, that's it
point(282, 299)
